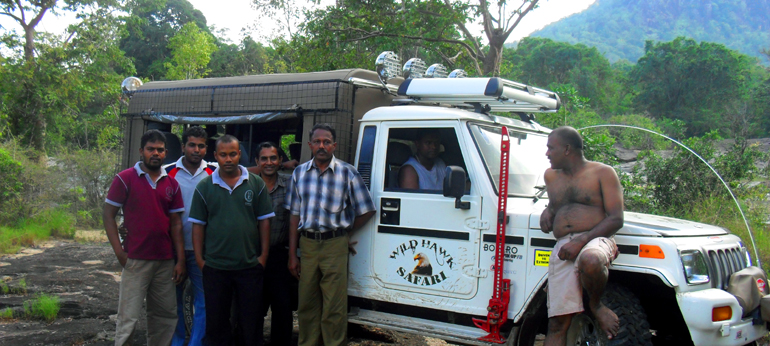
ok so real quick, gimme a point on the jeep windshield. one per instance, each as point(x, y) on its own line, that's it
point(527, 159)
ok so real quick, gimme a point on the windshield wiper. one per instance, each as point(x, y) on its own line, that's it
point(540, 194)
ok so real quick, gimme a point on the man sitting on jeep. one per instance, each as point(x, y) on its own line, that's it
point(425, 170)
point(585, 210)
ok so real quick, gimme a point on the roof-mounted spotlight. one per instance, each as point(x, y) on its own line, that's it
point(458, 73)
point(387, 66)
point(414, 68)
point(130, 84)
point(436, 71)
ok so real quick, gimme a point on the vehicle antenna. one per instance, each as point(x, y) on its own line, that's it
point(746, 222)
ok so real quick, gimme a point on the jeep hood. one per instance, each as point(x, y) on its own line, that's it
point(637, 224)
point(645, 224)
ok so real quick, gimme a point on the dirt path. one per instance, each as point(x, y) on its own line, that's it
point(85, 277)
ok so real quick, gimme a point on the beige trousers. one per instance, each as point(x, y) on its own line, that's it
point(152, 280)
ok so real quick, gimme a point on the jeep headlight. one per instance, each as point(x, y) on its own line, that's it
point(695, 268)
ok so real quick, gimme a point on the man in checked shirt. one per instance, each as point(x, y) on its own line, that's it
point(327, 200)
point(278, 281)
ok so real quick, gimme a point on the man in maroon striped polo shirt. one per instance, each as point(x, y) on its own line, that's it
point(152, 205)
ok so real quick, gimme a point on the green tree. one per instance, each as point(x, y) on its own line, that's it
point(70, 84)
point(353, 31)
point(247, 58)
point(150, 25)
point(28, 15)
point(191, 50)
point(547, 63)
point(691, 81)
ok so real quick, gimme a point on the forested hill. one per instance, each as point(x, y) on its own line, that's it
point(619, 28)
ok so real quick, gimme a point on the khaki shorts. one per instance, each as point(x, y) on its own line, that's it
point(565, 293)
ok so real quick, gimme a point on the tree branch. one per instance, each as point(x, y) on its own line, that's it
point(38, 17)
point(521, 15)
point(476, 49)
point(21, 10)
point(21, 21)
point(486, 20)
point(451, 60)
point(371, 34)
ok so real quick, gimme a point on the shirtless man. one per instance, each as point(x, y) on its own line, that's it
point(585, 210)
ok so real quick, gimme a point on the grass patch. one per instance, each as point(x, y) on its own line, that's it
point(4, 288)
point(44, 307)
point(722, 212)
point(54, 222)
point(6, 314)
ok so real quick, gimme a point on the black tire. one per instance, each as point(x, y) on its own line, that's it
point(534, 322)
point(188, 306)
point(634, 328)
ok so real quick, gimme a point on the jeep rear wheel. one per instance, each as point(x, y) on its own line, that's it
point(634, 328)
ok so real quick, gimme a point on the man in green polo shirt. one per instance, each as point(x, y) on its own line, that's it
point(231, 213)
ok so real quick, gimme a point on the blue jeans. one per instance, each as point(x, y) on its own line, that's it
point(199, 319)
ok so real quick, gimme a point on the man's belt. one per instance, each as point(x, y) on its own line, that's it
point(323, 235)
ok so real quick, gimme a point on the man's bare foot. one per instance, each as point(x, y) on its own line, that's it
point(608, 321)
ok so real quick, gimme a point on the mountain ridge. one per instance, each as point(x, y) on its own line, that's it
point(620, 28)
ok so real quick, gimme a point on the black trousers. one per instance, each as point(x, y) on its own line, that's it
point(219, 288)
point(278, 288)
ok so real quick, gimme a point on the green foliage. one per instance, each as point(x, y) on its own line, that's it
point(6, 314)
point(150, 25)
point(546, 63)
point(69, 189)
point(638, 139)
point(191, 50)
point(4, 288)
point(619, 28)
point(60, 96)
point(44, 307)
point(674, 128)
point(247, 58)
point(690, 81)
point(599, 146)
point(350, 35)
point(23, 285)
point(10, 185)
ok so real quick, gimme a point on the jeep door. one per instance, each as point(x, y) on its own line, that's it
point(423, 241)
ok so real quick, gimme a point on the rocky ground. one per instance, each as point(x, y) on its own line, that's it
point(85, 276)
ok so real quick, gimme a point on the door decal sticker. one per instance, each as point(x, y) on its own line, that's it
point(422, 262)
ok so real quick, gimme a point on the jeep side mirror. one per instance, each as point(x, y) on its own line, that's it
point(454, 186)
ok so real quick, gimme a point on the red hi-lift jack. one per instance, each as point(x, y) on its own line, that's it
point(498, 304)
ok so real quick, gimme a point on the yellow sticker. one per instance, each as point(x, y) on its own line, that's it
point(542, 257)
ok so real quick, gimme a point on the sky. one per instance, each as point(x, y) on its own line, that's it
point(237, 15)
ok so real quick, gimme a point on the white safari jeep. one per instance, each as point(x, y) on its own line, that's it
point(667, 285)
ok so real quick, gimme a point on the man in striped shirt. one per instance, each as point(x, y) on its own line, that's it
point(188, 171)
point(328, 200)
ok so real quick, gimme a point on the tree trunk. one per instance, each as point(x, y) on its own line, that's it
point(29, 43)
point(494, 57)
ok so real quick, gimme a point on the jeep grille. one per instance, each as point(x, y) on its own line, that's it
point(725, 262)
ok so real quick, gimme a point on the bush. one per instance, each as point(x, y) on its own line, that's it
point(10, 184)
point(637, 139)
point(73, 182)
point(44, 307)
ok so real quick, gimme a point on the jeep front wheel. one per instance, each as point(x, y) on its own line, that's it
point(634, 328)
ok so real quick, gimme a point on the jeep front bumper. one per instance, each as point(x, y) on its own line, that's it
point(697, 308)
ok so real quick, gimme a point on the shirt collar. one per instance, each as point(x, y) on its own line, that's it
point(140, 172)
point(180, 165)
point(332, 164)
point(217, 180)
point(279, 181)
